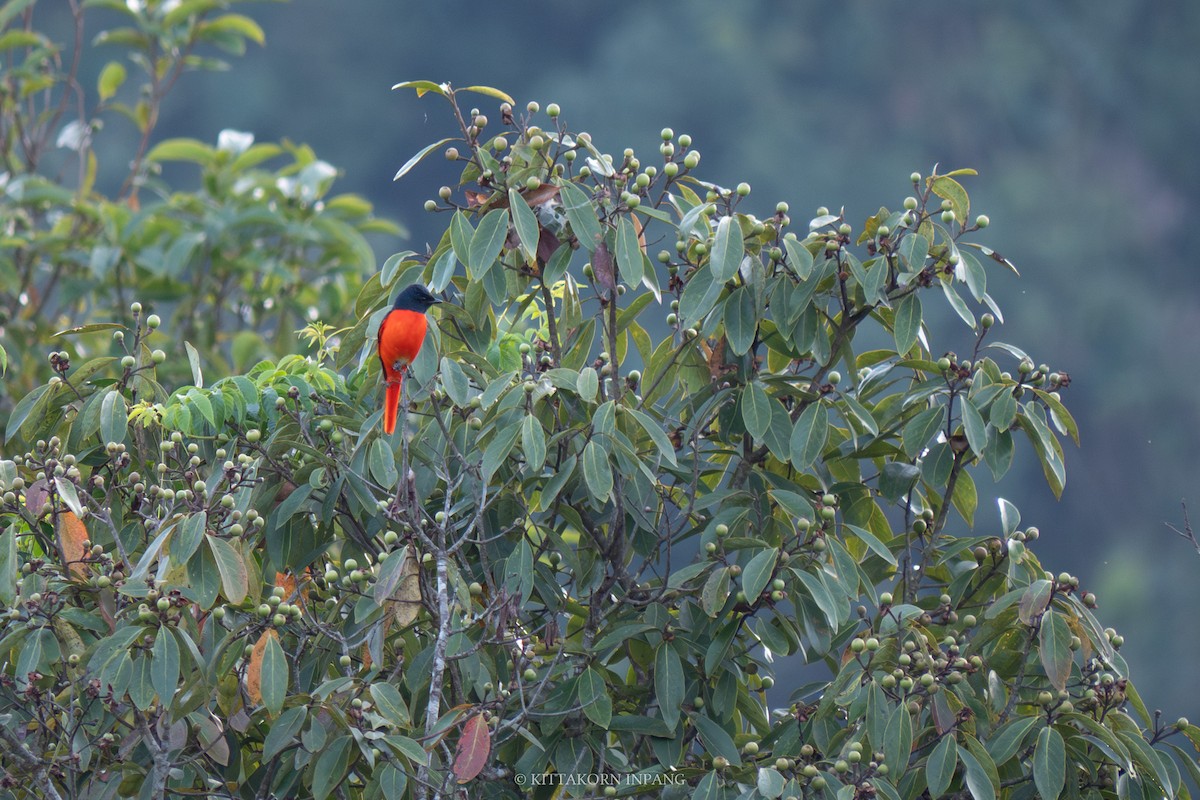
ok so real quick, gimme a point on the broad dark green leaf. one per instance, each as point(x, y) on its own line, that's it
point(331, 767)
point(898, 739)
point(597, 471)
point(1004, 743)
point(594, 697)
point(668, 683)
point(908, 322)
point(715, 592)
point(757, 573)
point(113, 417)
point(581, 214)
point(897, 478)
point(741, 323)
point(234, 577)
point(756, 410)
point(526, 224)
point(487, 242)
point(283, 732)
point(455, 382)
point(921, 429)
point(274, 675)
point(716, 740)
point(727, 249)
point(665, 448)
point(533, 444)
point(943, 761)
point(383, 463)
point(629, 253)
point(978, 783)
point(9, 568)
point(164, 669)
point(497, 451)
point(809, 436)
point(974, 426)
point(1050, 763)
point(798, 257)
point(699, 296)
point(1054, 639)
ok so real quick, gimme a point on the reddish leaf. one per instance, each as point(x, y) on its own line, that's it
point(36, 495)
point(602, 263)
point(254, 670)
point(474, 746)
point(72, 533)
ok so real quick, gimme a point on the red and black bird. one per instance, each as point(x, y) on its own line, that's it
point(401, 335)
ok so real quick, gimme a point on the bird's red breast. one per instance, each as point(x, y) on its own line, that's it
point(400, 337)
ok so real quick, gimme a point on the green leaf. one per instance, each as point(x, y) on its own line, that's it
point(1005, 743)
point(756, 410)
point(581, 214)
point(872, 542)
point(455, 382)
point(111, 78)
point(497, 451)
point(897, 478)
point(490, 92)
point(758, 573)
point(594, 697)
point(274, 676)
point(957, 304)
point(699, 296)
point(1050, 764)
point(526, 224)
point(629, 252)
point(898, 738)
point(715, 592)
point(798, 258)
point(239, 24)
point(770, 783)
point(67, 493)
point(390, 704)
point(809, 436)
point(113, 417)
point(978, 783)
point(331, 767)
point(949, 189)
point(25, 412)
point(383, 463)
point(943, 761)
point(533, 443)
point(727, 249)
point(908, 322)
point(194, 362)
point(741, 323)
point(974, 425)
point(393, 782)
point(182, 150)
point(597, 472)
point(283, 731)
point(588, 384)
point(487, 242)
point(669, 683)
point(235, 579)
point(422, 87)
point(655, 431)
point(921, 429)
point(416, 159)
point(1054, 639)
point(8, 566)
point(164, 669)
point(716, 741)
point(1062, 418)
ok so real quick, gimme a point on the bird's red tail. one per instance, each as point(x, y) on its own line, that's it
point(391, 404)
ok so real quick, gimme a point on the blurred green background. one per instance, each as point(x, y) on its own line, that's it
point(1081, 118)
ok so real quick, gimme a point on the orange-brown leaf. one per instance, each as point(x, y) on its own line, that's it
point(254, 669)
point(473, 749)
point(72, 533)
point(641, 231)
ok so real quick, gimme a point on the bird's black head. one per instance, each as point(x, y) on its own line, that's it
point(415, 298)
